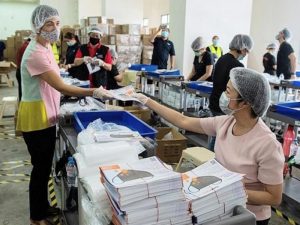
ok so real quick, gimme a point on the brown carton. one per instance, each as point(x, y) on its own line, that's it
point(133, 29)
point(122, 39)
point(170, 143)
point(96, 20)
point(146, 40)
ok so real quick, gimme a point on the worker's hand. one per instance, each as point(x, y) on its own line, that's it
point(87, 59)
point(140, 97)
point(98, 62)
point(102, 93)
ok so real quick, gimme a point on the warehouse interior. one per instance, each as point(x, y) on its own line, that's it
point(158, 146)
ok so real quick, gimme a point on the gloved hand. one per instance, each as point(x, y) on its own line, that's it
point(98, 62)
point(87, 59)
point(142, 98)
point(102, 93)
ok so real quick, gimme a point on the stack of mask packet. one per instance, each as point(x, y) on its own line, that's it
point(213, 191)
point(145, 192)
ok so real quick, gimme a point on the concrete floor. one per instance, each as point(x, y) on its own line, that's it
point(14, 196)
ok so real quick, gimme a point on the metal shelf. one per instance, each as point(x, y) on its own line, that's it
point(283, 118)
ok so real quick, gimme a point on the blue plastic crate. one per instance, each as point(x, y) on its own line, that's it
point(200, 86)
point(295, 83)
point(291, 109)
point(82, 120)
point(143, 67)
point(297, 73)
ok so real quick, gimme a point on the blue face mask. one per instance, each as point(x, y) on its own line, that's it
point(215, 42)
point(165, 34)
point(240, 57)
point(224, 104)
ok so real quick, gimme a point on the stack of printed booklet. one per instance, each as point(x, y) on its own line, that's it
point(148, 192)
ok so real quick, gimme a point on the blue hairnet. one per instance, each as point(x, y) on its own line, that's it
point(41, 15)
point(240, 42)
point(253, 87)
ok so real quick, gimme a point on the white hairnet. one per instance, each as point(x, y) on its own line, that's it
point(271, 46)
point(240, 42)
point(95, 30)
point(286, 33)
point(113, 53)
point(253, 87)
point(41, 15)
point(198, 43)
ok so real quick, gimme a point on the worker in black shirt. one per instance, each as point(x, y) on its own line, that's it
point(73, 45)
point(114, 75)
point(286, 58)
point(269, 60)
point(163, 47)
point(239, 47)
point(2, 48)
point(203, 62)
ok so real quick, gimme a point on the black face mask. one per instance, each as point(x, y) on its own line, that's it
point(94, 41)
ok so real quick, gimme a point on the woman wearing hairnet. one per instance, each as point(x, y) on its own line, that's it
point(203, 62)
point(244, 144)
point(39, 107)
point(269, 60)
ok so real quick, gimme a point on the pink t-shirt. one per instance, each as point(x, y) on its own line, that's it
point(257, 154)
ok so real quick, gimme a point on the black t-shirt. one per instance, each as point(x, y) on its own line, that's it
point(200, 67)
point(71, 53)
point(283, 61)
point(111, 82)
point(269, 62)
point(220, 79)
point(161, 51)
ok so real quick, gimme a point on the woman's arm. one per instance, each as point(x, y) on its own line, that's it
point(208, 73)
point(56, 82)
point(272, 195)
point(176, 118)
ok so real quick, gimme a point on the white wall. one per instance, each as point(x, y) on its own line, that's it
point(230, 17)
point(153, 9)
point(89, 8)
point(14, 16)
point(67, 9)
point(124, 11)
point(268, 18)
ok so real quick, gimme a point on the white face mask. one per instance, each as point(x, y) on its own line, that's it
point(52, 36)
point(224, 102)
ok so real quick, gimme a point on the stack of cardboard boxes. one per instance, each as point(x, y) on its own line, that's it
point(14, 42)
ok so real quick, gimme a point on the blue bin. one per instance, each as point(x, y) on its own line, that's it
point(143, 67)
point(297, 73)
point(291, 109)
point(200, 86)
point(82, 120)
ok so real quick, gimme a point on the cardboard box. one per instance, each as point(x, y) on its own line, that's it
point(141, 113)
point(122, 39)
point(146, 40)
point(96, 20)
point(135, 39)
point(170, 150)
point(110, 21)
point(104, 40)
point(146, 61)
point(123, 49)
point(10, 42)
point(112, 39)
point(84, 22)
point(147, 52)
point(133, 29)
point(11, 54)
point(111, 29)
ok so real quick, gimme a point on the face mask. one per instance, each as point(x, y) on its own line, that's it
point(94, 41)
point(224, 102)
point(165, 34)
point(52, 36)
point(197, 53)
point(215, 42)
point(71, 43)
point(240, 57)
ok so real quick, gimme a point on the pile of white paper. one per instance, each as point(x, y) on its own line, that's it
point(145, 192)
point(213, 191)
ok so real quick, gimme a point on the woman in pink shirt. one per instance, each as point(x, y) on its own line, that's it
point(244, 144)
point(39, 107)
